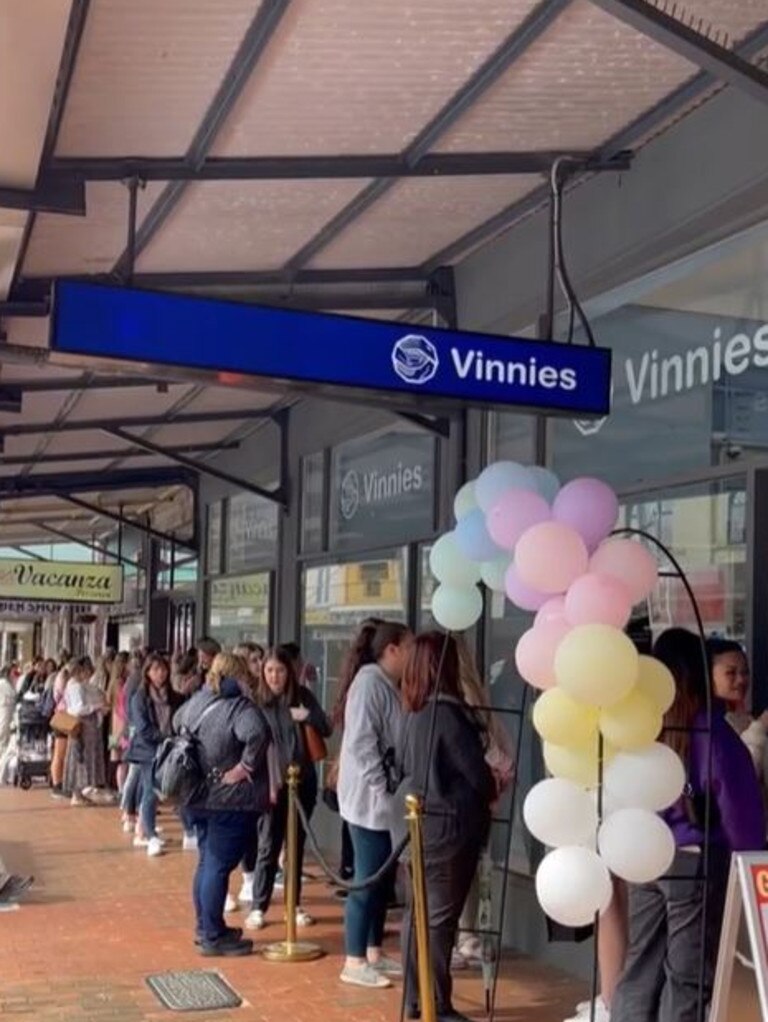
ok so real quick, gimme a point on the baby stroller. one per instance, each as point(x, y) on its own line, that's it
point(32, 730)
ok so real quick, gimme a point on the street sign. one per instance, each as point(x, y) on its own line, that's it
point(325, 355)
point(747, 897)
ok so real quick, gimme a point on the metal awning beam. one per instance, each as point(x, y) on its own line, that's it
point(65, 195)
point(84, 543)
point(27, 553)
point(276, 496)
point(56, 484)
point(690, 42)
point(440, 427)
point(133, 523)
point(109, 455)
point(279, 168)
point(79, 426)
point(85, 382)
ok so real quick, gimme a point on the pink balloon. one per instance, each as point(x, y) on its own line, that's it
point(553, 610)
point(535, 653)
point(550, 557)
point(598, 599)
point(522, 595)
point(630, 562)
point(590, 507)
point(513, 513)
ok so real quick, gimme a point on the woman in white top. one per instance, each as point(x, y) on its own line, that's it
point(85, 767)
point(7, 707)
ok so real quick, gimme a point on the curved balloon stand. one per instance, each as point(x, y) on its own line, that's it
point(679, 573)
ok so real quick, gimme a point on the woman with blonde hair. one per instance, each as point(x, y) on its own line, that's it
point(232, 738)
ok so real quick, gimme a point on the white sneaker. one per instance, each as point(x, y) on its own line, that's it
point(255, 920)
point(584, 1009)
point(128, 826)
point(155, 846)
point(245, 897)
point(140, 842)
point(189, 843)
point(231, 905)
point(304, 918)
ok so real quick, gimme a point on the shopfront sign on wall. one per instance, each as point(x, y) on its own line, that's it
point(382, 490)
point(331, 356)
point(60, 582)
point(252, 532)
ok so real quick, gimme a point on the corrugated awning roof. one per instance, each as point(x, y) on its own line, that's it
point(304, 152)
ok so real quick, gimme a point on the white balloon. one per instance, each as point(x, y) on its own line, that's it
point(456, 608)
point(494, 573)
point(558, 812)
point(572, 884)
point(449, 565)
point(497, 479)
point(636, 845)
point(465, 500)
point(651, 778)
point(545, 482)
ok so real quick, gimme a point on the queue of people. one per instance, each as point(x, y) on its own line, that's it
point(412, 716)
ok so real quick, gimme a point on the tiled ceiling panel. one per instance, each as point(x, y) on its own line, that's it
point(342, 77)
point(419, 216)
point(588, 76)
point(90, 244)
point(242, 225)
point(146, 73)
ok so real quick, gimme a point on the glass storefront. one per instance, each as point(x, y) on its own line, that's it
point(239, 609)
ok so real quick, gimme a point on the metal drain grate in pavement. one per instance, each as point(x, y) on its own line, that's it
point(197, 990)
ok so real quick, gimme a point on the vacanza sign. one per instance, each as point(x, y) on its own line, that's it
point(60, 582)
point(326, 355)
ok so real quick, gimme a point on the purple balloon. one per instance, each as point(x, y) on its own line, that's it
point(590, 507)
point(513, 514)
point(522, 595)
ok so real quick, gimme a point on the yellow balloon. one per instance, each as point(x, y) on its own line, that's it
point(577, 763)
point(655, 681)
point(596, 664)
point(631, 723)
point(563, 721)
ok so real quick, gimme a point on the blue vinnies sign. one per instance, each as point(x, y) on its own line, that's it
point(327, 355)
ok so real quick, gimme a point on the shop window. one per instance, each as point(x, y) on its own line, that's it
point(239, 609)
point(382, 490)
point(252, 527)
point(336, 597)
point(213, 539)
point(313, 479)
point(511, 438)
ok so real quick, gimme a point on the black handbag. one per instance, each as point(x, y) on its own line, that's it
point(177, 773)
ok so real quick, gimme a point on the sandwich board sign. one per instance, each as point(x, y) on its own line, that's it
point(747, 898)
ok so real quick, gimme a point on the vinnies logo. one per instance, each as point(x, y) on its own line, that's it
point(415, 359)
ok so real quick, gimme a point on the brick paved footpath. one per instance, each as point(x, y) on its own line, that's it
point(102, 916)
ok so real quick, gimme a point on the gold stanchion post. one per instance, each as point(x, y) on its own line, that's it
point(415, 810)
point(290, 949)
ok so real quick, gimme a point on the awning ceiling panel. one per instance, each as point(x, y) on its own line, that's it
point(65, 245)
point(251, 223)
point(362, 77)
point(419, 216)
point(146, 73)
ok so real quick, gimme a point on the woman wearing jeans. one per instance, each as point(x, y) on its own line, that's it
point(233, 738)
point(150, 716)
point(371, 720)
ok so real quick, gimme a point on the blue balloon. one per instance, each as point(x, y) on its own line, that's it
point(471, 535)
point(494, 481)
point(546, 482)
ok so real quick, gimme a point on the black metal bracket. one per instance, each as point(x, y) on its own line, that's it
point(441, 286)
point(56, 195)
point(133, 184)
point(133, 523)
point(440, 427)
point(691, 38)
point(200, 467)
point(96, 547)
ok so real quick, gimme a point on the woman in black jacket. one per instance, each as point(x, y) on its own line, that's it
point(449, 771)
point(150, 717)
point(291, 710)
point(233, 737)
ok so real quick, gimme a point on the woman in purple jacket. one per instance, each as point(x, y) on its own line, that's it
point(661, 975)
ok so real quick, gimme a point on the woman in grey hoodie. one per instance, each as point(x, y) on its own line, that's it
point(371, 718)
